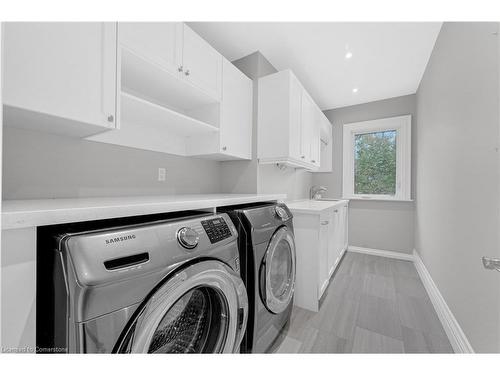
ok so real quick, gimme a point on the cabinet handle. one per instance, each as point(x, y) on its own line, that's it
point(313, 161)
point(186, 72)
point(325, 222)
point(111, 118)
point(335, 210)
point(224, 148)
point(180, 69)
point(302, 157)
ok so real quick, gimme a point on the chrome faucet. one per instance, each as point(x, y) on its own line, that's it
point(315, 191)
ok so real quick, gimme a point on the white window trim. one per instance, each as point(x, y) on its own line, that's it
point(402, 126)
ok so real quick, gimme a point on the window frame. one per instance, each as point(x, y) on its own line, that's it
point(402, 126)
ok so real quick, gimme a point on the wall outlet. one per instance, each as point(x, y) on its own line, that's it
point(162, 174)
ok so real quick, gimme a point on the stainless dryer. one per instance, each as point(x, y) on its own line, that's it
point(267, 253)
point(162, 287)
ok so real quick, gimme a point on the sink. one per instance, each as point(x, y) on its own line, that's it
point(313, 206)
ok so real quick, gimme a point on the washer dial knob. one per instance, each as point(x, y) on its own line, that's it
point(188, 238)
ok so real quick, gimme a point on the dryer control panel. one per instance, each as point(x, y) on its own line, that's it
point(216, 229)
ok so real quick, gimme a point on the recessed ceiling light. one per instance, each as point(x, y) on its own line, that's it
point(348, 55)
point(355, 90)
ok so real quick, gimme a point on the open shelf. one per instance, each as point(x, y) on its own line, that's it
point(148, 126)
point(155, 83)
point(139, 111)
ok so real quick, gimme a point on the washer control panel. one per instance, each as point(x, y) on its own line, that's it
point(216, 229)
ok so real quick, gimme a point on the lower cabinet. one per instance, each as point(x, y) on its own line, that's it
point(326, 229)
point(333, 255)
point(321, 240)
point(18, 290)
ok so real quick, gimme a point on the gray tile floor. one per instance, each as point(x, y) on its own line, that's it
point(372, 305)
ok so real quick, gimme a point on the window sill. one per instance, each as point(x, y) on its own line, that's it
point(379, 199)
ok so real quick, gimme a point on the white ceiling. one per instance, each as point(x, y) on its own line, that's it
point(388, 59)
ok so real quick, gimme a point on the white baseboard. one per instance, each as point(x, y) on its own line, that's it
point(457, 337)
point(381, 253)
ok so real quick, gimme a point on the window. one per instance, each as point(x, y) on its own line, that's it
point(377, 159)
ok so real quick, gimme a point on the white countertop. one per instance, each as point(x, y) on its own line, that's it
point(313, 206)
point(38, 212)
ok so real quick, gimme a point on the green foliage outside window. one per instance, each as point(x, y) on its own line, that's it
point(375, 163)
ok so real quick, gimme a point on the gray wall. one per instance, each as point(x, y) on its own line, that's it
point(295, 183)
point(42, 165)
point(249, 176)
point(456, 219)
point(373, 224)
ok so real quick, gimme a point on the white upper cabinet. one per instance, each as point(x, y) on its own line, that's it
point(236, 113)
point(179, 95)
point(234, 139)
point(288, 123)
point(279, 119)
point(160, 42)
point(151, 86)
point(201, 63)
point(177, 49)
point(60, 77)
point(309, 144)
point(307, 119)
point(316, 138)
point(294, 117)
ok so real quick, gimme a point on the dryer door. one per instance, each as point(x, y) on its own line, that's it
point(277, 274)
point(201, 309)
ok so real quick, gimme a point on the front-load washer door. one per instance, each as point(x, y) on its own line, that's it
point(201, 309)
point(277, 273)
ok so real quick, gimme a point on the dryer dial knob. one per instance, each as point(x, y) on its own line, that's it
point(282, 214)
point(188, 238)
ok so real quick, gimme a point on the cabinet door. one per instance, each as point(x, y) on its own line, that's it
point(315, 137)
point(295, 120)
point(326, 151)
point(236, 115)
point(160, 42)
point(323, 274)
point(306, 127)
point(332, 240)
point(202, 64)
point(345, 227)
point(63, 69)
